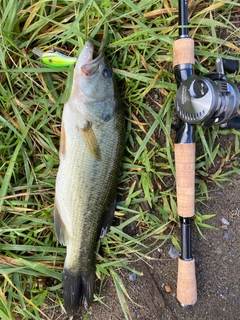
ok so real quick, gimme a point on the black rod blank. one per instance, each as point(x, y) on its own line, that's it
point(186, 251)
point(183, 18)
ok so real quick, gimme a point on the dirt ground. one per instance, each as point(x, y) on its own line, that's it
point(217, 271)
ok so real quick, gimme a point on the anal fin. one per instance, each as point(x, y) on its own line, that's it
point(107, 220)
point(59, 226)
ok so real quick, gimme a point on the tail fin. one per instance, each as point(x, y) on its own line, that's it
point(78, 288)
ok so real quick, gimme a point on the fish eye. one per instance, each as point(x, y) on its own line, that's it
point(107, 73)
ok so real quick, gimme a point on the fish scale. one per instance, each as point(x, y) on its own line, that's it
point(91, 147)
point(84, 192)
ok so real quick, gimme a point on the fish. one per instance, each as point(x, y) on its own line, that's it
point(91, 149)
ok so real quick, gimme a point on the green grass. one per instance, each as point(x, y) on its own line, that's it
point(138, 38)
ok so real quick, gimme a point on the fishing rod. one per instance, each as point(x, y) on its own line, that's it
point(183, 63)
point(205, 100)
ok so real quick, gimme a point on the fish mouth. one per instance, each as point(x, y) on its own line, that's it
point(88, 64)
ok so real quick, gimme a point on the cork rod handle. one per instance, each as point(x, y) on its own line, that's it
point(183, 51)
point(185, 178)
point(185, 181)
point(186, 282)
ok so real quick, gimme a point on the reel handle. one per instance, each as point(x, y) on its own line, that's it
point(230, 66)
point(233, 123)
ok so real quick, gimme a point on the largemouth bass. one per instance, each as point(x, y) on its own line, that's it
point(91, 147)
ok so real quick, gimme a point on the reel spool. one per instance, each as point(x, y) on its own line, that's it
point(208, 99)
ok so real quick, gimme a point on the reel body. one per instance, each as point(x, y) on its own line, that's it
point(208, 99)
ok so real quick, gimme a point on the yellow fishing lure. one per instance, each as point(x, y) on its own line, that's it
point(54, 58)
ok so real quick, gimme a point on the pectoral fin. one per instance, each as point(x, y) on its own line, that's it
point(108, 219)
point(62, 150)
point(60, 227)
point(90, 140)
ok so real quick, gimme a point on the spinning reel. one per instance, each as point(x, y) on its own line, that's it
point(209, 99)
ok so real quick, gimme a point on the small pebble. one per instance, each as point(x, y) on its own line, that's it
point(225, 221)
point(167, 288)
point(136, 309)
point(225, 234)
point(169, 183)
point(132, 276)
point(219, 192)
point(224, 227)
point(173, 252)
